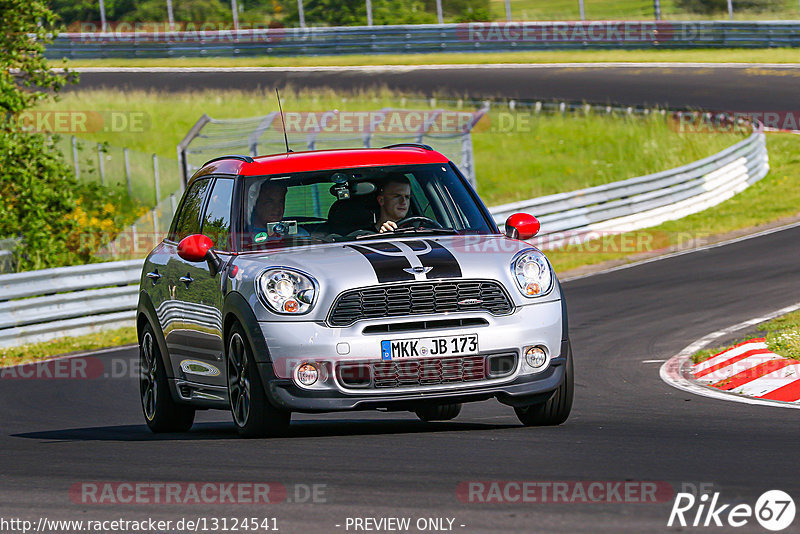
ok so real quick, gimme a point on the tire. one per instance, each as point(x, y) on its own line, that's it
point(161, 412)
point(439, 412)
point(556, 410)
point(252, 412)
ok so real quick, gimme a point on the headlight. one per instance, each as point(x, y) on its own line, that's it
point(532, 273)
point(286, 291)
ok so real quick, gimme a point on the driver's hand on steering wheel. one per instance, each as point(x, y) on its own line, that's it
point(388, 226)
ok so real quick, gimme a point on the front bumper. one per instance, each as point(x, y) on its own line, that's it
point(521, 391)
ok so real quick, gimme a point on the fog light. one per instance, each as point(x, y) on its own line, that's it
point(307, 374)
point(535, 357)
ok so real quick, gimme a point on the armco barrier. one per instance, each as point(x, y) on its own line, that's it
point(467, 37)
point(67, 301)
point(645, 201)
point(42, 305)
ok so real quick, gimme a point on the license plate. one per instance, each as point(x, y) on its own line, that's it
point(430, 347)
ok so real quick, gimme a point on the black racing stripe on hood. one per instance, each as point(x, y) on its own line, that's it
point(387, 268)
point(442, 260)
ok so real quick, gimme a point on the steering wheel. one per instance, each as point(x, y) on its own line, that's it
point(417, 222)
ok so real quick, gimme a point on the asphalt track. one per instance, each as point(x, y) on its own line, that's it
point(626, 424)
point(718, 88)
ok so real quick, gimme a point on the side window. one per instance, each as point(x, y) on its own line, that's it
point(217, 219)
point(189, 216)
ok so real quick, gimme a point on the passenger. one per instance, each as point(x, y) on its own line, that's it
point(269, 208)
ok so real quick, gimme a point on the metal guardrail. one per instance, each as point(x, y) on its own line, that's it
point(53, 303)
point(67, 301)
point(645, 201)
point(467, 37)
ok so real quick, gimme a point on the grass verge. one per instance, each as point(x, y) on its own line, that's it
point(775, 197)
point(48, 349)
point(782, 335)
point(771, 55)
point(518, 154)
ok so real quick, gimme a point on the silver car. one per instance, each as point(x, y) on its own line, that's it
point(347, 280)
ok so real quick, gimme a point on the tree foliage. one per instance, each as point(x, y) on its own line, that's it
point(41, 202)
point(354, 12)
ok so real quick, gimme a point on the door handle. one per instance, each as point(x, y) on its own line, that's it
point(186, 279)
point(154, 276)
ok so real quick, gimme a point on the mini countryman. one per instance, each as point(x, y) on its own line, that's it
point(347, 280)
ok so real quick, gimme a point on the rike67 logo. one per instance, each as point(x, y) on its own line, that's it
point(774, 510)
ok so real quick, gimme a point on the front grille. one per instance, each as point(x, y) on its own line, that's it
point(410, 373)
point(419, 298)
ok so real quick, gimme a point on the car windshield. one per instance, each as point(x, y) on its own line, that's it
point(353, 204)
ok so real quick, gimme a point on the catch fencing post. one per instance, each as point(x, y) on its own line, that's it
point(100, 164)
point(439, 14)
point(508, 10)
point(75, 157)
point(300, 13)
point(583, 12)
point(730, 9)
point(156, 179)
point(127, 171)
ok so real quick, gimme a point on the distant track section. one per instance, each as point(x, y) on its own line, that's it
point(711, 87)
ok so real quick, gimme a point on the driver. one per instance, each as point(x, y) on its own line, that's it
point(394, 199)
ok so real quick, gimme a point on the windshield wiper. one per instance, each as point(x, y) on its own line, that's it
point(412, 231)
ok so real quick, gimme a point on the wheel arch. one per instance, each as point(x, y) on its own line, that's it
point(146, 314)
point(236, 309)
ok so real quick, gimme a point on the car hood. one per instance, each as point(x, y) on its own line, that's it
point(337, 267)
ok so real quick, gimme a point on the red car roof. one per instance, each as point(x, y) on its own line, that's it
point(318, 160)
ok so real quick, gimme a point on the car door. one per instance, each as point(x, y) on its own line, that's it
point(201, 293)
point(172, 310)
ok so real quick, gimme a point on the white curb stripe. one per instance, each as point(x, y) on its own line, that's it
point(719, 358)
point(742, 365)
point(770, 382)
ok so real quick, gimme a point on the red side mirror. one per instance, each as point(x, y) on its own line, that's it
point(522, 226)
point(194, 248)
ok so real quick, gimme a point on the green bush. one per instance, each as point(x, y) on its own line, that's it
point(59, 219)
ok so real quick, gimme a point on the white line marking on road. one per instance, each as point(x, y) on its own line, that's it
point(674, 371)
point(450, 66)
point(653, 361)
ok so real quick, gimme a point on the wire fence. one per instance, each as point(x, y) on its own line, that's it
point(147, 178)
point(445, 130)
